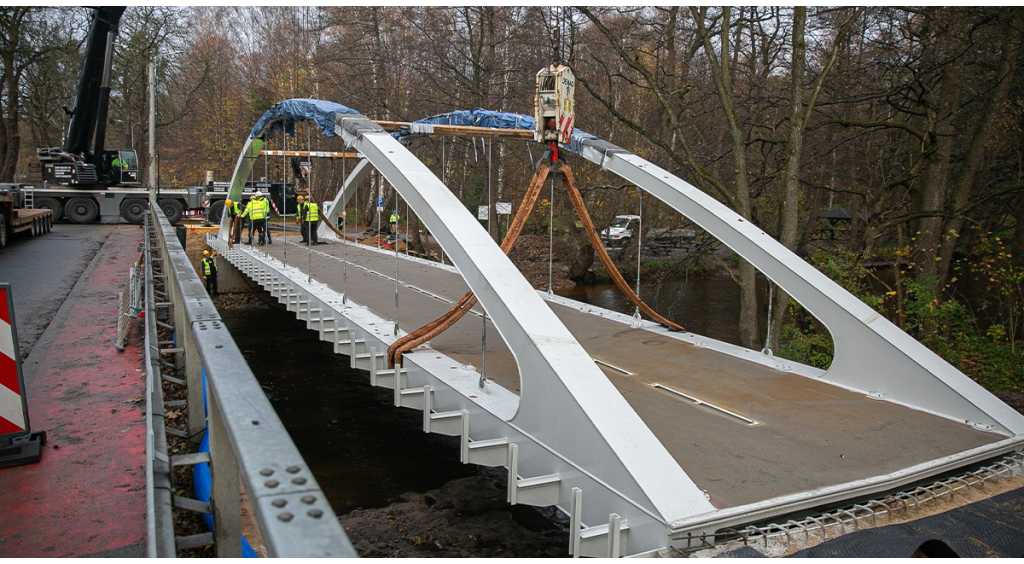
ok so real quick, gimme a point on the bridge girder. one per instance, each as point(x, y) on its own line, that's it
point(568, 407)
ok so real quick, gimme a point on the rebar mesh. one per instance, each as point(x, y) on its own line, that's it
point(811, 530)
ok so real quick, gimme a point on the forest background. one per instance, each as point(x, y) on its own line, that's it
point(884, 145)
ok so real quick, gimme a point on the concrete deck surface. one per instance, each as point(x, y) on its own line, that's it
point(807, 433)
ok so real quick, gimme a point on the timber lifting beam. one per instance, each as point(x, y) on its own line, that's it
point(449, 318)
point(472, 131)
point(322, 154)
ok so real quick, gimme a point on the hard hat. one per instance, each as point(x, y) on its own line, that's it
point(258, 194)
point(227, 202)
point(206, 253)
point(299, 197)
point(394, 211)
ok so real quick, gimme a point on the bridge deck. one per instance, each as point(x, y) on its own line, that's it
point(808, 433)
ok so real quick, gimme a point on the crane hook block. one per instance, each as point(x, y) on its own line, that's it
point(553, 104)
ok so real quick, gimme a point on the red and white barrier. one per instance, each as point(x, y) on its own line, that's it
point(12, 413)
point(18, 445)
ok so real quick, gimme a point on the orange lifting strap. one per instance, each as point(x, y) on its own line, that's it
point(463, 306)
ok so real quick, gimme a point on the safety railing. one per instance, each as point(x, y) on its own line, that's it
point(129, 304)
point(246, 437)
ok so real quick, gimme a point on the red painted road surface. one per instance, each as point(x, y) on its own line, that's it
point(88, 494)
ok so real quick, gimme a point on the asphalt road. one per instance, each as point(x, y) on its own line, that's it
point(43, 270)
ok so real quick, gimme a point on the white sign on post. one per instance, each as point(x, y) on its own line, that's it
point(481, 213)
point(503, 208)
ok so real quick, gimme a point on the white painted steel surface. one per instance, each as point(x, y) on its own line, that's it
point(871, 354)
point(569, 420)
point(348, 188)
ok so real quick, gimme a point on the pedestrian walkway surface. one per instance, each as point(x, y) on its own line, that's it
point(87, 496)
point(799, 434)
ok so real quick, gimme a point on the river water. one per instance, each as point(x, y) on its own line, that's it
point(706, 306)
point(363, 451)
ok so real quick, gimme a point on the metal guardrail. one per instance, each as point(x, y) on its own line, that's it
point(247, 438)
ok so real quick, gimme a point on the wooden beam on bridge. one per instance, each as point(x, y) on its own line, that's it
point(325, 154)
point(472, 131)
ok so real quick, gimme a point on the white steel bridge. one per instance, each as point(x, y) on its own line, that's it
point(646, 438)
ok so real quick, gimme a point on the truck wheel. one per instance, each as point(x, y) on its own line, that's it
point(82, 210)
point(52, 204)
point(173, 210)
point(3, 231)
point(215, 212)
point(133, 210)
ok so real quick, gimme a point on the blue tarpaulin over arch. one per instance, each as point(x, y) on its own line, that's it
point(283, 115)
point(479, 117)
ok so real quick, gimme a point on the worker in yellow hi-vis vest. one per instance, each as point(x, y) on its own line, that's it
point(312, 219)
point(309, 219)
point(256, 212)
point(300, 218)
point(209, 268)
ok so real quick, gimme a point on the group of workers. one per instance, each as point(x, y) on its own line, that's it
point(257, 211)
point(308, 218)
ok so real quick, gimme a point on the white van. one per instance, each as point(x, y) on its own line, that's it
point(621, 231)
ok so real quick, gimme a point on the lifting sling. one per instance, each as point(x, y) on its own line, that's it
point(463, 306)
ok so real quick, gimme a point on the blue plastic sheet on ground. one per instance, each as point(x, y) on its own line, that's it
point(283, 115)
point(479, 117)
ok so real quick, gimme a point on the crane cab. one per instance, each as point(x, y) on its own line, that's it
point(124, 167)
point(553, 104)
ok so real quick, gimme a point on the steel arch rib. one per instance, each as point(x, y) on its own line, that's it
point(566, 402)
point(901, 369)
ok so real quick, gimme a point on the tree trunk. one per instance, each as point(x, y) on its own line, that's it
point(964, 182)
point(10, 150)
point(791, 173)
point(933, 185)
point(721, 72)
point(1017, 259)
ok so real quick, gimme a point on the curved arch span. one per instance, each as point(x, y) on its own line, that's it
point(898, 368)
point(564, 395)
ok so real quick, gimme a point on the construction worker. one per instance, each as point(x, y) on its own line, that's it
point(300, 217)
point(267, 204)
point(115, 168)
point(311, 217)
point(209, 267)
point(258, 215)
point(393, 222)
point(234, 222)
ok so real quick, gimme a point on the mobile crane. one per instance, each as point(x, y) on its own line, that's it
point(83, 183)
